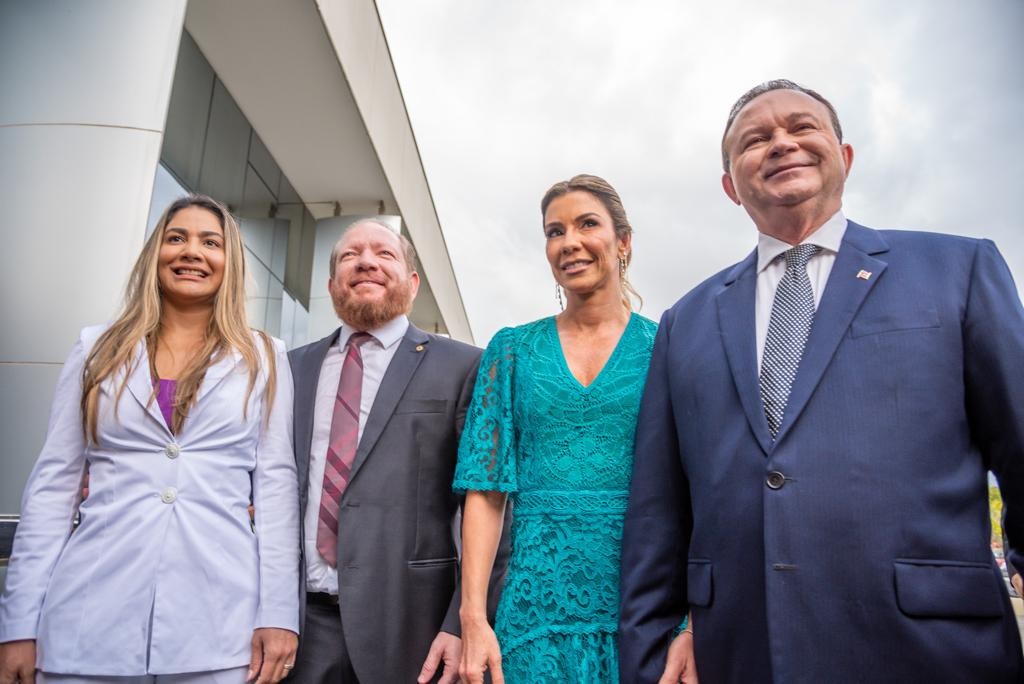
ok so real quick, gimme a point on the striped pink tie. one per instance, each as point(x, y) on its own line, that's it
point(341, 450)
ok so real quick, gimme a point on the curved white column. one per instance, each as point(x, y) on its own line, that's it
point(86, 87)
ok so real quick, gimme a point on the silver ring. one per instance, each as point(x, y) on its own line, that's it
point(288, 667)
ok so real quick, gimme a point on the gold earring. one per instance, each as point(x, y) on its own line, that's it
point(622, 267)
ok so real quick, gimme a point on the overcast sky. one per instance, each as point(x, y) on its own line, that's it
point(506, 98)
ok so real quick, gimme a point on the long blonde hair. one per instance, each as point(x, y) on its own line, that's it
point(140, 320)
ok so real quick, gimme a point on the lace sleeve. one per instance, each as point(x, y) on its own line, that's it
point(487, 451)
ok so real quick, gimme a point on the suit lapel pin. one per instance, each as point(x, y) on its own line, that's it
point(420, 347)
point(864, 275)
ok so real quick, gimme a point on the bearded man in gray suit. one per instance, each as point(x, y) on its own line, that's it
point(379, 406)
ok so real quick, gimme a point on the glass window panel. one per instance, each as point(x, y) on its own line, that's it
point(166, 189)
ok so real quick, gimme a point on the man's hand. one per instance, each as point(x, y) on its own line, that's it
point(18, 662)
point(273, 655)
point(1018, 584)
point(481, 653)
point(447, 648)
point(679, 665)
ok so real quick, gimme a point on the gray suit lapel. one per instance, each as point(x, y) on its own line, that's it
point(843, 296)
point(735, 319)
point(407, 358)
point(306, 371)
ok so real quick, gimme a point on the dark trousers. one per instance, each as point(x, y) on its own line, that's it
point(322, 657)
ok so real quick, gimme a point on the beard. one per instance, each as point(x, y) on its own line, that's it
point(369, 315)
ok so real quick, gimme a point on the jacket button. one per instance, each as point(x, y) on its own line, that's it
point(775, 480)
point(172, 451)
point(169, 495)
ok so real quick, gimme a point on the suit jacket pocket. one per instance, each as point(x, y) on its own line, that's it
point(937, 588)
point(422, 406)
point(432, 562)
point(926, 316)
point(699, 582)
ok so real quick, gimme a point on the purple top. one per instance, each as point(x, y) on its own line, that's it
point(165, 398)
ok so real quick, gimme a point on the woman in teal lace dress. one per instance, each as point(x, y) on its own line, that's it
point(551, 428)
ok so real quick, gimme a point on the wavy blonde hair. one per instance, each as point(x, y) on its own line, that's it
point(140, 320)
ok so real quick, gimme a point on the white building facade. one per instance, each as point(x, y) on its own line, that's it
point(288, 112)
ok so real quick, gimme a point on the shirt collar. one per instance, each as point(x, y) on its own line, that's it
point(386, 335)
point(829, 236)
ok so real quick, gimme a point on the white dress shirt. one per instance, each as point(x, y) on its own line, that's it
point(771, 266)
point(377, 354)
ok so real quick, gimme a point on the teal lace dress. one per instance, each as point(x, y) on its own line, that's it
point(563, 453)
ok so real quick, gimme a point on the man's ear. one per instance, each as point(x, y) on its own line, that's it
point(414, 283)
point(847, 151)
point(729, 188)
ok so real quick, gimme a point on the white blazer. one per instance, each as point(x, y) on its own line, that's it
point(164, 574)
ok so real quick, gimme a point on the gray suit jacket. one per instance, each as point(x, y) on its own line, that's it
point(398, 551)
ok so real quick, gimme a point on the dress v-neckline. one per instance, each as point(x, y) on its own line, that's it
point(553, 331)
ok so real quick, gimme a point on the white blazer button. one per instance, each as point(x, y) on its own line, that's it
point(172, 451)
point(169, 495)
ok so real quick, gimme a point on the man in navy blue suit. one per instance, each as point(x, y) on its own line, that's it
point(814, 440)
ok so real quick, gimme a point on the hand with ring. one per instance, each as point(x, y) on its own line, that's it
point(273, 655)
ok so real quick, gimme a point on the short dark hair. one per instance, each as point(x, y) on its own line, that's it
point(768, 86)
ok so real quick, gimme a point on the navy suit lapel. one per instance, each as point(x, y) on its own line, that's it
point(307, 376)
point(843, 296)
point(406, 360)
point(735, 319)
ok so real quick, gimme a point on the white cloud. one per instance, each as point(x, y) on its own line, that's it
point(506, 98)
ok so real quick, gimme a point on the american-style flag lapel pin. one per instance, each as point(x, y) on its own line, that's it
point(864, 275)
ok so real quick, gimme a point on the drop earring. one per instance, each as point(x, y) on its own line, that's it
point(558, 295)
point(622, 268)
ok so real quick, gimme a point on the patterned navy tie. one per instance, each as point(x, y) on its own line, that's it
point(788, 328)
point(341, 450)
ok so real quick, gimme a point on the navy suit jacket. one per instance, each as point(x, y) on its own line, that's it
point(855, 547)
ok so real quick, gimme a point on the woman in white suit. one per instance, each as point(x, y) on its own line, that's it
point(180, 416)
